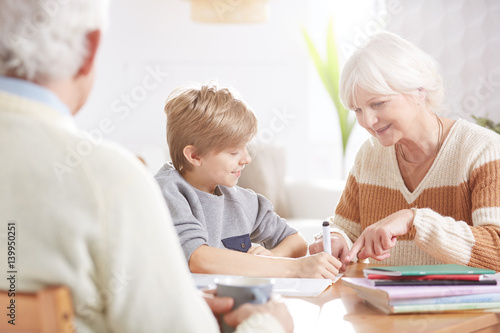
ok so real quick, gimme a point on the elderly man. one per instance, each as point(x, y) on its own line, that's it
point(87, 214)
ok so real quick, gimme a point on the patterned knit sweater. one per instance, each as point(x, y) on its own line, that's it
point(457, 217)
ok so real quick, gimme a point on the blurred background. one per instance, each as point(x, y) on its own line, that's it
point(259, 48)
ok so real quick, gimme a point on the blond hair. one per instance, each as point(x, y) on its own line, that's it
point(208, 118)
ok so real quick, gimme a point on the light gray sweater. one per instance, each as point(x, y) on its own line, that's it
point(231, 218)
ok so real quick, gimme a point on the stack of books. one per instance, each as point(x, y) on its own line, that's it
point(428, 288)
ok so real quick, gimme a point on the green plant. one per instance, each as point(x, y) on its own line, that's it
point(488, 123)
point(329, 73)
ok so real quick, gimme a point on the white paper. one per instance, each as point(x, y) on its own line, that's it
point(296, 287)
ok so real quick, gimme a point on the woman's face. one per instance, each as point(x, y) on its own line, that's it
point(386, 117)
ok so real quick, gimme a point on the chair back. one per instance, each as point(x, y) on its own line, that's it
point(49, 310)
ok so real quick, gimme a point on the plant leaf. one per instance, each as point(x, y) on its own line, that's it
point(313, 52)
point(332, 62)
point(333, 71)
point(487, 123)
point(329, 72)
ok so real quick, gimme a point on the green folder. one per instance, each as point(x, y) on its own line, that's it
point(446, 269)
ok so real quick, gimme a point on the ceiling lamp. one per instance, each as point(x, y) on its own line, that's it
point(229, 11)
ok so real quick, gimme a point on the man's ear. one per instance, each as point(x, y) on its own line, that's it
point(93, 41)
point(191, 155)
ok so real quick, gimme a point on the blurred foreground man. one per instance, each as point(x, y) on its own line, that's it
point(82, 212)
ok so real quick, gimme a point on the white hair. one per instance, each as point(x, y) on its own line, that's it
point(45, 40)
point(388, 65)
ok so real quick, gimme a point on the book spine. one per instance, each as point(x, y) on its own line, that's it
point(451, 283)
point(429, 277)
point(366, 286)
point(444, 307)
point(479, 298)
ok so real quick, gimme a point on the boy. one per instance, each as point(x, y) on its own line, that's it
point(207, 133)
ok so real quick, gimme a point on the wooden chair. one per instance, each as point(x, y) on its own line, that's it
point(47, 311)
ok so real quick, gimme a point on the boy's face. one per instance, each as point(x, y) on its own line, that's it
point(223, 168)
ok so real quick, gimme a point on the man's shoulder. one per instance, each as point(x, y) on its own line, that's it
point(104, 162)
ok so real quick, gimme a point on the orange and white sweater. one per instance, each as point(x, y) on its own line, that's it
point(457, 217)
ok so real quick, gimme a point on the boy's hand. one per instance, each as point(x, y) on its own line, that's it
point(259, 251)
point(340, 249)
point(321, 265)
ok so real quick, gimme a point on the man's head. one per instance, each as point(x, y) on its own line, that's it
point(207, 119)
point(52, 41)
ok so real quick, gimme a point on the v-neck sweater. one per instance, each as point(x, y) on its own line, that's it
point(457, 203)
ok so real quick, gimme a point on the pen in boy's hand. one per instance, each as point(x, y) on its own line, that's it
point(327, 245)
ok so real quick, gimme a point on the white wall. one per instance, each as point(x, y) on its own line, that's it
point(269, 65)
point(463, 36)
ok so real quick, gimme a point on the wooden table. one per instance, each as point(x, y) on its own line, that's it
point(338, 309)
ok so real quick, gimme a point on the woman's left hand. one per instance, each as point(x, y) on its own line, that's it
point(378, 239)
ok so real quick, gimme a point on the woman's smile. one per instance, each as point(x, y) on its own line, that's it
point(382, 130)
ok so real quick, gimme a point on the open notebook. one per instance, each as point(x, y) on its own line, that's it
point(296, 287)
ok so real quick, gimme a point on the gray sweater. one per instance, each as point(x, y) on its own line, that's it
point(231, 218)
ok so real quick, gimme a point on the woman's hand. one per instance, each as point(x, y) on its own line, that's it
point(259, 250)
point(340, 249)
point(378, 239)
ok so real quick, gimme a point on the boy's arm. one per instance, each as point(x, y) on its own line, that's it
point(293, 246)
point(210, 260)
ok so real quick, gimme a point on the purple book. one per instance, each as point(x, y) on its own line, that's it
point(367, 287)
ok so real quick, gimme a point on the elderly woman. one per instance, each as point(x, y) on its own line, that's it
point(424, 189)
